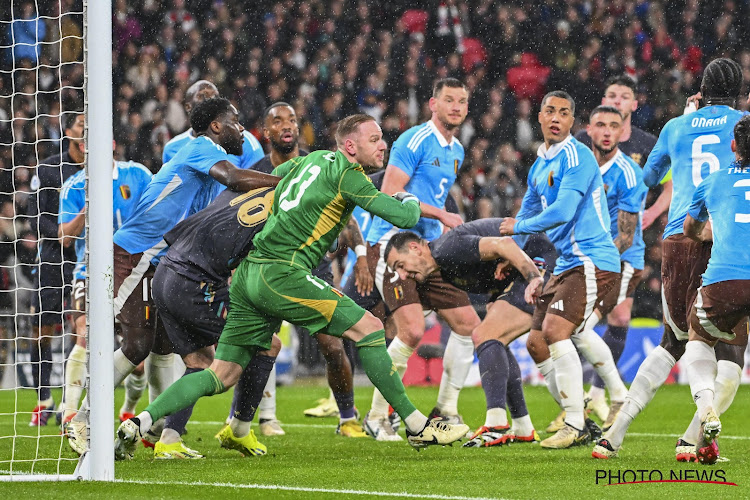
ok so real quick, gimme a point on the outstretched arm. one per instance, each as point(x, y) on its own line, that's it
point(241, 180)
point(506, 249)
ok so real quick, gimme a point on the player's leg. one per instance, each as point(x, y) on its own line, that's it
point(50, 307)
point(135, 385)
point(75, 373)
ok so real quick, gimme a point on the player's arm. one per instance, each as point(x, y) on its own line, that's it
point(659, 161)
point(395, 181)
point(660, 206)
point(68, 231)
point(559, 212)
point(697, 216)
point(357, 187)
point(353, 237)
point(71, 217)
point(504, 248)
point(241, 180)
point(626, 224)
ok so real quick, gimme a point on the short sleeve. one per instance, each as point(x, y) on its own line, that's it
point(404, 157)
point(457, 249)
point(252, 151)
point(577, 176)
point(206, 154)
point(632, 188)
point(72, 200)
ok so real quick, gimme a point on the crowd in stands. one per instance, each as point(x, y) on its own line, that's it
point(331, 58)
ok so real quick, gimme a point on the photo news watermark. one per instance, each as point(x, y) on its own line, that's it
point(641, 476)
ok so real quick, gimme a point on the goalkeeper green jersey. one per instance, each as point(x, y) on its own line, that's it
point(312, 204)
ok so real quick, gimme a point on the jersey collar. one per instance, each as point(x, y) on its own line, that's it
point(605, 168)
point(550, 153)
point(441, 140)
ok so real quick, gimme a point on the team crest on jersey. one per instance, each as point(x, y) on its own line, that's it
point(455, 167)
point(551, 178)
point(637, 157)
point(398, 292)
point(436, 163)
point(125, 192)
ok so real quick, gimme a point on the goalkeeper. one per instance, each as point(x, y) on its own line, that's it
point(311, 205)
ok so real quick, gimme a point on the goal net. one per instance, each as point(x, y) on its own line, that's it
point(55, 123)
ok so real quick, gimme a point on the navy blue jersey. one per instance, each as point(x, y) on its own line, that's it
point(208, 245)
point(725, 196)
point(457, 254)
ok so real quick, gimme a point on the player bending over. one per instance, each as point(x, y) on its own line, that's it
point(311, 206)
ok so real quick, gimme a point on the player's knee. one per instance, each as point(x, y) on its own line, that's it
point(482, 334)
point(537, 347)
point(365, 326)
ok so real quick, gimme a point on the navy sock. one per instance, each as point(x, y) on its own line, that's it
point(493, 369)
point(177, 421)
point(516, 400)
point(615, 338)
point(249, 390)
point(345, 401)
point(41, 372)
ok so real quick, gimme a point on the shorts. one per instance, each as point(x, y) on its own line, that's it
point(574, 294)
point(683, 262)
point(134, 305)
point(53, 297)
point(630, 280)
point(721, 310)
point(514, 294)
point(262, 295)
point(373, 302)
point(193, 313)
point(434, 294)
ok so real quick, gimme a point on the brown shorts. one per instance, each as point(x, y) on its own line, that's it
point(630, 278)
point(575, 293)
point(78, 296)
point(683, 262)
point(434, 294)
point(134, 305)
point(721, 311)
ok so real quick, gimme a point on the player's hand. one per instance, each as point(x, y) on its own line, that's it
point(533, 290)
point(502, 270)
point(649, 216)
point(694, 100)
point(362, 277)
point(506, 227)
point(450, 220)
point(708, 233)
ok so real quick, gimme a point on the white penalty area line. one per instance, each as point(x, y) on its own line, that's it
point(278, 487)
point(333, 425)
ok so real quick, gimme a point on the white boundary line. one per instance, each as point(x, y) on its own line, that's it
point(332, 425)
point(276, 487)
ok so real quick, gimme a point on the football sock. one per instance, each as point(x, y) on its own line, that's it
point(516, 399)
point(177, 421)
point(496, 417)
point(400, 354)
point(596, 393)
point(123, 366)
point(457, 360)
point(240, 428)
point(377, 365)
point(160, 372)
point(615, 338)
point(547, 369)
point(728, 379)
point(692, 433)
point(253, 383)
point(41, 358)
point(267, 405)
point(345, 402)
point(135, 384)
point(569, 378)
point(75, 379)
point(522, 426)
point(596, 352)
point(701, 368)
point(183, 393)
point(493, 370)
point(652, 373)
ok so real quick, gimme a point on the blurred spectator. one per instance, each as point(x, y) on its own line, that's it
point(26, 32)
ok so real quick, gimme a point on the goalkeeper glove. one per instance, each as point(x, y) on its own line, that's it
point(405, 197)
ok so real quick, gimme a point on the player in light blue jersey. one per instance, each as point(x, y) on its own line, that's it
point(722, 306)
point(626, 197)
point(424, 161)
point(166, 201)
point(129, 180)
point(694, 146)
point(565, 198)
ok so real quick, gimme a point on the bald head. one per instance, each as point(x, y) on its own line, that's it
point(199, 92)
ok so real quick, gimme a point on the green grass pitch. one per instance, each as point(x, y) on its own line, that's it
point(312, 462)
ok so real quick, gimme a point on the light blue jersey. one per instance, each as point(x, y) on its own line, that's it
point(364, 219)
point(169, 196)
point(694, 146)
point(623, 183)
point(129, 181)
point(432, 164)
point(252, 152)
point(725, 196)
point(565, 199)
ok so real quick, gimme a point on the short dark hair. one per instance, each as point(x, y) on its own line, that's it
point(207, 111)
point(562, 95)
point(277, 104)
point(623, 80)
point(452, 83)
point(605, 109)
point(399, 241)
point(349, 125)
point(722, 79)
point(742, 140)
point(70, 118)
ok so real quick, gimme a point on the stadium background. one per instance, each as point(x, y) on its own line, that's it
point(333, 58)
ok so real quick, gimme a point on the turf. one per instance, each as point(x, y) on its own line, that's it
point(311, 457)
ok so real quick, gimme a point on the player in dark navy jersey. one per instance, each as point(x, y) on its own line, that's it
point(476, 259)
